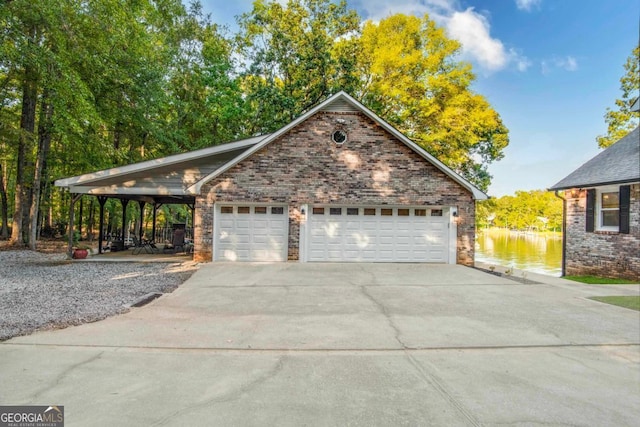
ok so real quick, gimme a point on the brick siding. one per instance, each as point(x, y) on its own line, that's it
point(304, 166)
point(600, 253)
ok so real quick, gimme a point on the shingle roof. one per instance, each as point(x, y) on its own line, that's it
point(619, 163)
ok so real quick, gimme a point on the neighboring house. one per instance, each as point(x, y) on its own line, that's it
point(336, 184)
point(602, 213)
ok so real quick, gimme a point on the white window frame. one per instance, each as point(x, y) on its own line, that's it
point(599, 208)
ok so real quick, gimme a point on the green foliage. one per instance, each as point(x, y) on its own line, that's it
point(413, 80)
point(631, 302)
point(622, 120)
point(536, 210)
point(89, 85)
point(294, 56)
point(595, 280)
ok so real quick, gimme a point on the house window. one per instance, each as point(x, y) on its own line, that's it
point(226, 209)
point(244, 209)
point(436, 212)
point(403, 212)
point(370, 211)
point(318, 211)
point(386, 212)
point(260, 210)
point(420, 212)
point(335, 211)
point(609, 210)
point(352, 211)
point(277, 210)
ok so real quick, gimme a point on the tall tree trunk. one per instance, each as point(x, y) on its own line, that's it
point(27, 127)
point(4, 208)
point(44, 142)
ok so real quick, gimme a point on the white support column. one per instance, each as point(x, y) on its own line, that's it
point(302, 240)
point(453, 235)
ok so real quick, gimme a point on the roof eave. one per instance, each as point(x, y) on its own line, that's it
point(151, 164)
point(596, 184)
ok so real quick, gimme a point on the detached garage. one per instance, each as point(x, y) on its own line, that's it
point(338, 184)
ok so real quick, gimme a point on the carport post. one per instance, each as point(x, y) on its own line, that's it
point(124, 202)
point(153, 226)
point(102, 200)
point(141, 204)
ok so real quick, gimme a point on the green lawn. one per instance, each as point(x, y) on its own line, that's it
point(632, 302)
point(594, 280)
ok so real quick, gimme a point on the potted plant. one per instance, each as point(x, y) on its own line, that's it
point(80, 252)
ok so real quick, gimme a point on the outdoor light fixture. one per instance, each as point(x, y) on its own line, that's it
point(575, 193)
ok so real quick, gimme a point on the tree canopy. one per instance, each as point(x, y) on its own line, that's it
point(622, 120)
point(536, 210)
point(93, 84)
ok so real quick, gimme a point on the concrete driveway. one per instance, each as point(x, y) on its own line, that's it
point(342, 344)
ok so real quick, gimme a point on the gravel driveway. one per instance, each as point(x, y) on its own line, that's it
point(39, 291)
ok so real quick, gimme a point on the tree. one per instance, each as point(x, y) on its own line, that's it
point(293, 56)
point(622, 121)
point(526, 210)
point(411, 78)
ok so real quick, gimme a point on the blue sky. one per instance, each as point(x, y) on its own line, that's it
point(549, 67)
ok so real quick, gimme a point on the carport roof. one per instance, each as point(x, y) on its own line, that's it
point(166, 179)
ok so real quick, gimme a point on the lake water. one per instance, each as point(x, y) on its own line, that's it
point(537, 253)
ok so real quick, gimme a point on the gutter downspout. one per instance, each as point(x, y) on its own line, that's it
point(564, 233)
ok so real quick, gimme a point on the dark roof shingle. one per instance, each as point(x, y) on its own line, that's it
point(618, 163)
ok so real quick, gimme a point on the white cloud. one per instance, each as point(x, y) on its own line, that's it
point(472, 29)
point(568, 63)
point(522, 62)
point(527, 4)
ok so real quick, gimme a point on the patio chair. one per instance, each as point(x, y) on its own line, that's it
point(178, 240)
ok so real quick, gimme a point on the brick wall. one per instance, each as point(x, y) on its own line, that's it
point(305, 166)
point(605, 254)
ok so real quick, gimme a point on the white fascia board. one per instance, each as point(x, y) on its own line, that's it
point(163, 161)
point(115, 190)
point(477, 194)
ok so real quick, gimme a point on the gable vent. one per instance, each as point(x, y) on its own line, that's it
point(340, 106)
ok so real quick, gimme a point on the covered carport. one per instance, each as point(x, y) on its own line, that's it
point(158, 182)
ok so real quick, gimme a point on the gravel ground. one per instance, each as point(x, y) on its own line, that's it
point(42, 291)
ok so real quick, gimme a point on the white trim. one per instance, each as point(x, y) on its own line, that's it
point(453, 235)
point(599, 208)
point(477, 194)
point(303, 253)
point(163, 161)
point(116, 190)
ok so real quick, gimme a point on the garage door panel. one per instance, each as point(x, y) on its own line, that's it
point(393, 237)
point(251, 234)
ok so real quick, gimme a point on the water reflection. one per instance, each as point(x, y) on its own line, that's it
point(538, 253)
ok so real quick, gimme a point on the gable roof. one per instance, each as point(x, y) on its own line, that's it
point(341, 101)
point(182, 175)
point(618, 164)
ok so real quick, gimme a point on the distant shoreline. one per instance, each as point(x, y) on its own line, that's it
point(498, 231)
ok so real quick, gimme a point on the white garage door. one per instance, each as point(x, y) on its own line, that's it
point(378, 234)
point(250, 233)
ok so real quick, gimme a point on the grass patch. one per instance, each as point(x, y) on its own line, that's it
point(594, 280)
point(632, 302)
